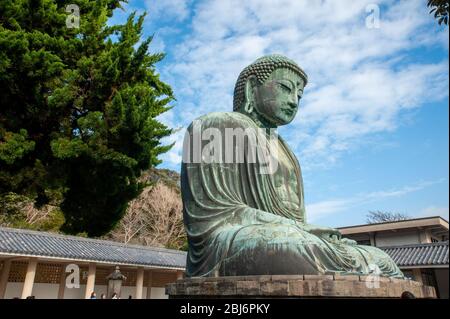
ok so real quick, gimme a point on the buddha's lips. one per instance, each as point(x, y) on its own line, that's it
point(288, 111)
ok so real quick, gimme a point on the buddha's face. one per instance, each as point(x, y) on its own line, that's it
point(277, 99)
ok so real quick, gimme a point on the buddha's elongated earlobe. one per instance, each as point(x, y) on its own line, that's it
point(248, 107)
point(249, 99)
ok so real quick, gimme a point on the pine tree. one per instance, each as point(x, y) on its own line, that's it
point(77, 109)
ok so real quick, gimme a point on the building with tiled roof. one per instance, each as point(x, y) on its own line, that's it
point(45, 265)
point(21, 242)
point(419, 247)
point(420, 255)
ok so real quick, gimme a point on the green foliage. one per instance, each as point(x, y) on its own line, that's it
point(14, 146)
point(15, 211)
point(178, 245)
point(53, 222)
point(440, 9)
point(9, 211)
point(77, 109)
point(168, 177)
point(184, 247)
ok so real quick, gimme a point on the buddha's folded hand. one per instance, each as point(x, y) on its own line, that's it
point(348, 241)
point(327, 233)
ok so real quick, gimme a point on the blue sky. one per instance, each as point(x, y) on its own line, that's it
point(372, 129)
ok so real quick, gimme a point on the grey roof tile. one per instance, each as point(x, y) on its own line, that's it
point(433, 254)
point(28, 242)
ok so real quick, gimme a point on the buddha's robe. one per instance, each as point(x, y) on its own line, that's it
point(240, 221)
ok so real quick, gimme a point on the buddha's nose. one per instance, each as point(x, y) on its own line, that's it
point(292, 102)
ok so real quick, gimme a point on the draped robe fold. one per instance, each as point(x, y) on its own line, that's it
point(242, 221)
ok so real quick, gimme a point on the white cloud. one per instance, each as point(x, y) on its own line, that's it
point(402, 191)
point(322, 209)
point(168, 9)
point(318, 210)
point(361, 80)
point(435, 211)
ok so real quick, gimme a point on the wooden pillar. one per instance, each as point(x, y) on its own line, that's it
point(149, 284)
point(62, 282)
point(424, 236)
point(417, 274)
point(179, 274)
point(29, 278)
point(139, 282)
point(372, 239)
point(4, 277)
point(90, 284)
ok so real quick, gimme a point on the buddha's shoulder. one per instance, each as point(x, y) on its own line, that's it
point(224, 119)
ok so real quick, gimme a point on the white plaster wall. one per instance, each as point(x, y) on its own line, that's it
point(100, 289)
point(75, 293)
point(358, 236)
point(13, 289)
point(40, 291)
point(397, 238)
point(156, 293)
point(79, 293)
point(50, 291)
point(45, 291)
point(127, 291)
point(159, 293)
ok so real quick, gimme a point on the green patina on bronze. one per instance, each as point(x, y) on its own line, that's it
point(242, 222)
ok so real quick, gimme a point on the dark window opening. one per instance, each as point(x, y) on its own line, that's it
point(429, 279)
point(408, 274)
point(364, 242)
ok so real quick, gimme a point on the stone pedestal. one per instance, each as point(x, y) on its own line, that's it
point(297, 286)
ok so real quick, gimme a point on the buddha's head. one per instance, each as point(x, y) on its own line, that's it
point(270, 89)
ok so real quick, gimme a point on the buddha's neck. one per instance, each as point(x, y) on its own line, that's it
point(261, 121)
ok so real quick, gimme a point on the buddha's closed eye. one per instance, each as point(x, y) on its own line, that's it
point(285, 87)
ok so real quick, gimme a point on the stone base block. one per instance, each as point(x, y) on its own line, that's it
point(297, 286)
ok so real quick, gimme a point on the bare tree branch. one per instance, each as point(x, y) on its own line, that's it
point(380, 217)
point(155, 218)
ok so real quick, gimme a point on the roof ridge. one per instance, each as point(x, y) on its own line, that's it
point(394, 221)
point(424, 255)
point(439, 243)
point(93, 240)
